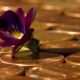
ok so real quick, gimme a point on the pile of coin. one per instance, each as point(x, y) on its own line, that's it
point(57, 27)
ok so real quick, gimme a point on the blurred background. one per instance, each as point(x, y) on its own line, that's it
point(51, 14)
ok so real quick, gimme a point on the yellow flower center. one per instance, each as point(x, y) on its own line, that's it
point(17, 34)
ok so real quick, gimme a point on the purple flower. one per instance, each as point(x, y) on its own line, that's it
point(14, 24)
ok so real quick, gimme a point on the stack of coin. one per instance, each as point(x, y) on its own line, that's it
point(10, 70)
point(73, 59)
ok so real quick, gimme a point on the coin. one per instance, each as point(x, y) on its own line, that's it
point(73, 59)
point(37, 25)
point(61, 71)
point(10, 70)
point(5, 50)
point(19, 78)
point(41, 15)
point(43, 58)
point(72, 12)
point(64, 47)
point(38, 72)
point(36, 2)
point(58, 71)
point(68, 28)
point(48, 36)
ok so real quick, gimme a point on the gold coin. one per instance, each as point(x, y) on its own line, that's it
point(73, 59)
point(10, 70)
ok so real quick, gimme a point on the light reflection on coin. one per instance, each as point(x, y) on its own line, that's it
point(6, 50)
point(61, 47)
point(73, 59)
point(43, 74)
point(48, 36)
point(45, 26)
point(74, 32)
point(66, 28)
point(43, 57)
point(36, 2)
point(74, 12)
point(9, 70)
point(64, 71)
point(52, 71)
point(19, 78)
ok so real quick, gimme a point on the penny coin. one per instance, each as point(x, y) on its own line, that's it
point(10, 70)
point(73, 59)
point(50, 36)
point(44, 57)
point(61, 47)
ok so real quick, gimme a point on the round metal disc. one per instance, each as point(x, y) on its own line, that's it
point(9, 70)
point(43, 58)
point(48, 36)
point(61, 47)
point(73, 59)
point(61, 72)
point(19, 78)
point(72, 12)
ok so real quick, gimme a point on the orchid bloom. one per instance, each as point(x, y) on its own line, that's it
point(15, 28)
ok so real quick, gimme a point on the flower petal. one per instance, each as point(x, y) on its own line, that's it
point(8, 43)
point(21, 16)
point(13, 21)
point(8, 39)
point(3, 24)
point(30, 18)
point(22, 41)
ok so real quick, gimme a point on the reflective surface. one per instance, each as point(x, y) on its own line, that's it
point(61, 47)
point(73, 59)
point(48, 36)
point(57, 26)
point(9, 70)
point(43, 58)
point(55, 71)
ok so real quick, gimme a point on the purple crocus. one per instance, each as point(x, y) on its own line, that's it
point(12, 23)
